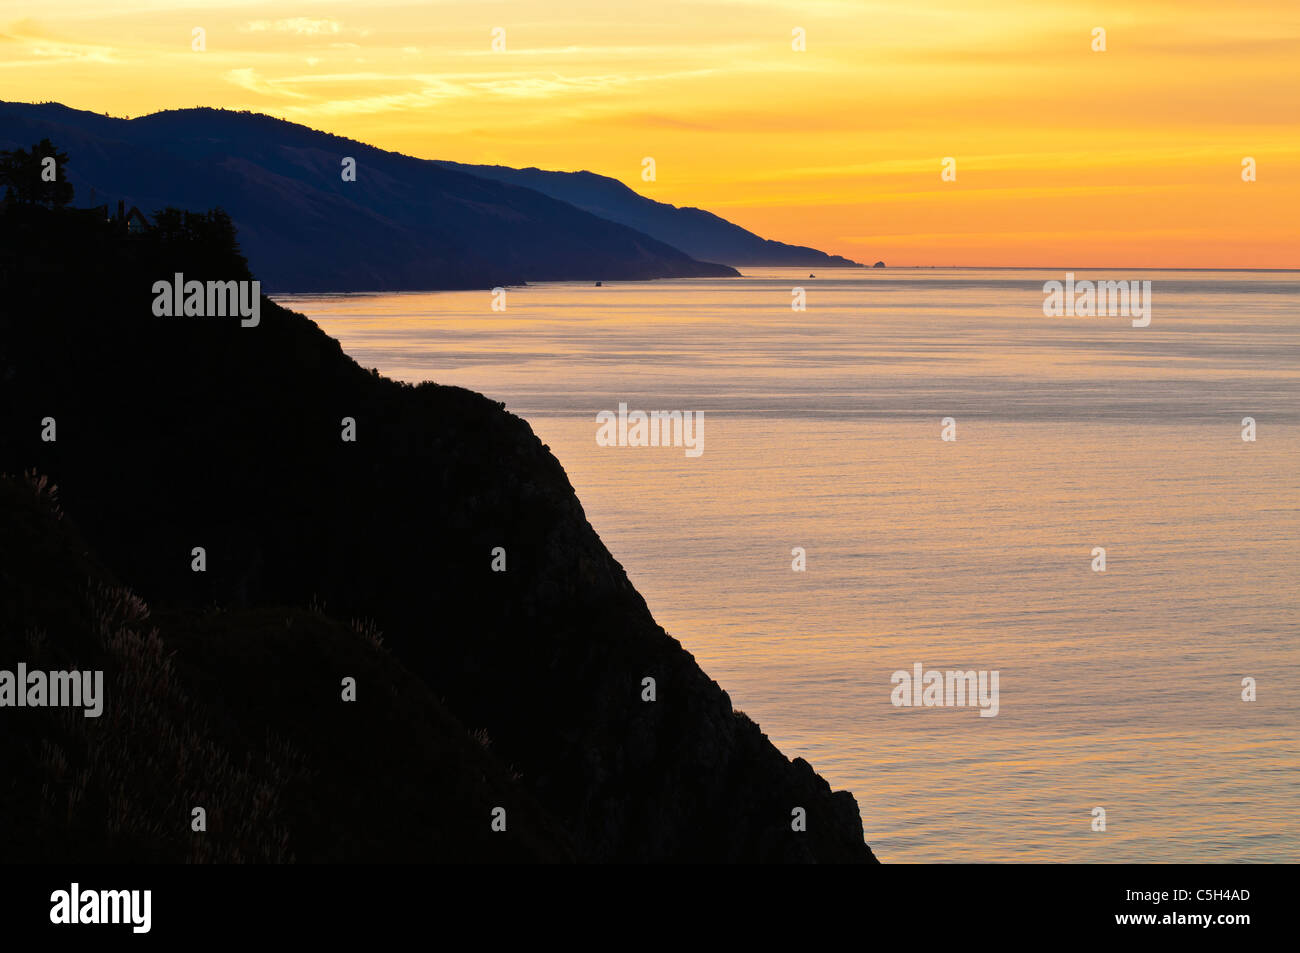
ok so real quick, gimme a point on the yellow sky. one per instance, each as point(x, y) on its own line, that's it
point(1064, 156)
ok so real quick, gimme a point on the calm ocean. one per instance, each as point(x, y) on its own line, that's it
point(1119, 690)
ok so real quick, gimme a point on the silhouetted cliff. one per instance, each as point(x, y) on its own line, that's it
point(176, 433)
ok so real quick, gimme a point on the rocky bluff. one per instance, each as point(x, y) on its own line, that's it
point(176, 433)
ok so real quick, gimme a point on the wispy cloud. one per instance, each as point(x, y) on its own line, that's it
point(424, 90)
point(46, 53)
point(31, 40)
point(302, 26)
point(250, 79)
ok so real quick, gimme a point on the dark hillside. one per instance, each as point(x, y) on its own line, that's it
point(175, 433)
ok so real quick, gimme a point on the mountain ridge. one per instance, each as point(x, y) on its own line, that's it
point(698, 232)
point(404, 224)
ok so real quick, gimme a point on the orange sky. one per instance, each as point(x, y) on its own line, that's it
point(1064, 156)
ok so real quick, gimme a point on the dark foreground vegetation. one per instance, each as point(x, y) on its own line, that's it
point(326, 560)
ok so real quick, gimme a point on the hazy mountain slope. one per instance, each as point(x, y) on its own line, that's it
point(699, 233)
point(405, 223)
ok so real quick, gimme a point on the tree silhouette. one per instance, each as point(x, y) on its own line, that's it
point(208, 241)
point(28, 179)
